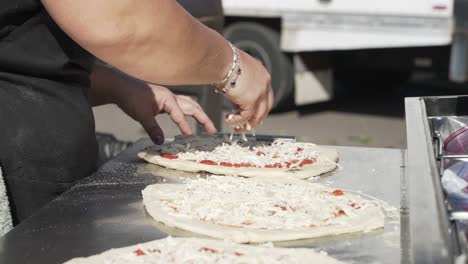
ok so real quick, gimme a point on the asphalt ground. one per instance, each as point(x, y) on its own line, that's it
point(371, 118)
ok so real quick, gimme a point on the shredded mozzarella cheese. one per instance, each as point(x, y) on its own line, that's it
point(250, 203)
point(285, 153)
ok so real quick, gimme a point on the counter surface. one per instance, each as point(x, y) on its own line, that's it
point(105, 211)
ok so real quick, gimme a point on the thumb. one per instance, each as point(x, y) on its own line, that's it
point(153, 130)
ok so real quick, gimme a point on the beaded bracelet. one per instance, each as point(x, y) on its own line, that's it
point(229, 81)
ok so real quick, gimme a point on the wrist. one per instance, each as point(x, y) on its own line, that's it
point(223, 61)
point(119, 86)
point(240, 86)
point(230, 78)
point(126, 89)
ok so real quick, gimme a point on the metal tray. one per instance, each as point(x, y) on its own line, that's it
point(435, 235)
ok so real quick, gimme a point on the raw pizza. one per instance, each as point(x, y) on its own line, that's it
point(244, 158)
point(259, 210)
point(194, 250)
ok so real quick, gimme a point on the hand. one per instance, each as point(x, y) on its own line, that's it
point(252, 94)
point(143, 102)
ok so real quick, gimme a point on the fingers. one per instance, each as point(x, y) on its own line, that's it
point(178, 106)
point(241, 117)
point(153, 130)
point(177, 115)
point(192, 108)
point(260, 114)
point(263, 108)
point(241, 120)
point(271, 99)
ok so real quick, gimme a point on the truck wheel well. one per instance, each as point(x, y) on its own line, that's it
point(272, 23)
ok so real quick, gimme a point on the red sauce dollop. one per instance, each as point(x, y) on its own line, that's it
point(305, 162)
point(169, 156)
point(139, 252)
point(226, 164)
point(209, 162)
point(338, 192)
point(245, 165)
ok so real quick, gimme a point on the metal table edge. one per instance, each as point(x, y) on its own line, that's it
point(429, 240)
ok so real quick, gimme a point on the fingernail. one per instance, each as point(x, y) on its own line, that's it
point(159, 139)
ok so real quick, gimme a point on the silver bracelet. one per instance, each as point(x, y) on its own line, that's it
point(229, 81)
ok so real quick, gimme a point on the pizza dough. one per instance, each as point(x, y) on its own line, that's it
point(250, 159)
point(194, 250)
point(259, 210)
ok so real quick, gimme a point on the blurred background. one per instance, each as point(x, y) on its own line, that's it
point(340, 68)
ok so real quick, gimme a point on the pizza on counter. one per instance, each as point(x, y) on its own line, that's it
point(244, 158)
point(247, 210)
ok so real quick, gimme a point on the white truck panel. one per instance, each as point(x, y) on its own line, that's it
point(326, 25)
point(433, 8)
point(310, 25)
point(340, 32)
point(308, 40)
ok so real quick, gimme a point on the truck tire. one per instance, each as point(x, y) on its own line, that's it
point(262, 43)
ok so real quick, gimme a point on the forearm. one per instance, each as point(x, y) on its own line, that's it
point(153, 40)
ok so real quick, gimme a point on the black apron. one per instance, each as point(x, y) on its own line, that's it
point(47, 139)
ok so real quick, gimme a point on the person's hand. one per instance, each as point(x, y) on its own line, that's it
point(145, 101)
point(252, 95)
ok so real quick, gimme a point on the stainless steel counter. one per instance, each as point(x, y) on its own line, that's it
point(105, 211)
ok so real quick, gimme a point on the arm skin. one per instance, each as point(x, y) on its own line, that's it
point(159, 42)
point(153, 40)
point(142, 102)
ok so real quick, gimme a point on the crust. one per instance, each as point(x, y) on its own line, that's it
point(324, 164)
point(371, 218)
point(120, 255)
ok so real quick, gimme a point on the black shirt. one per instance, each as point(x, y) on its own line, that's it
point(47, 140)
point(33, 45)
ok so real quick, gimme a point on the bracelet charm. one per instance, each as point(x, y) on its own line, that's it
point(230, 80)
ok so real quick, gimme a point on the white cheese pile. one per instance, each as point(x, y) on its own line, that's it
point(251, 203)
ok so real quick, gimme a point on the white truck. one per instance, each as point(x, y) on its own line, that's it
point(307, 44)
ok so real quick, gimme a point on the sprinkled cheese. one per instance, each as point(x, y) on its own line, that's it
point(249, 203)
point(286, 154)
point(245, 125)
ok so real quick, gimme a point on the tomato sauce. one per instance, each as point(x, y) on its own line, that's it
point(169, 156)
